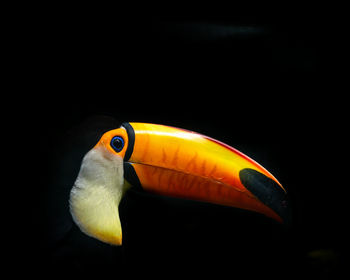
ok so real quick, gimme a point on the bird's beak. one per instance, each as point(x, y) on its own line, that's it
point(175, 162)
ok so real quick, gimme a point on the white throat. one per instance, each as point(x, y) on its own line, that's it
point(95, 196)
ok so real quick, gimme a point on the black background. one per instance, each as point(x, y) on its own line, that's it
point(267, 85)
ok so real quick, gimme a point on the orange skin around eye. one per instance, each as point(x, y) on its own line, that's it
point(106, 138)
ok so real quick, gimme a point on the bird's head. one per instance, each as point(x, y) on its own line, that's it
point(167, 161)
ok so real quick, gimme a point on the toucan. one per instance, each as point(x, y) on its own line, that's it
point(168, 161)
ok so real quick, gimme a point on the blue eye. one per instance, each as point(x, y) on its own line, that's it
point(117, 143)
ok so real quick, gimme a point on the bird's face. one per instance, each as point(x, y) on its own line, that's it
point(167, 161)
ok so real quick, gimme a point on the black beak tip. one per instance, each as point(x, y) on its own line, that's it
point(268, 192)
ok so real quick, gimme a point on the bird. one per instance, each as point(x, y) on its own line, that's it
point(169, 161)
point(178, 221)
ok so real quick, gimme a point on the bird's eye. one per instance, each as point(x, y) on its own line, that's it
point(117, 143)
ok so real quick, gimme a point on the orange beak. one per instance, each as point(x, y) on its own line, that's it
point(175, 162)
